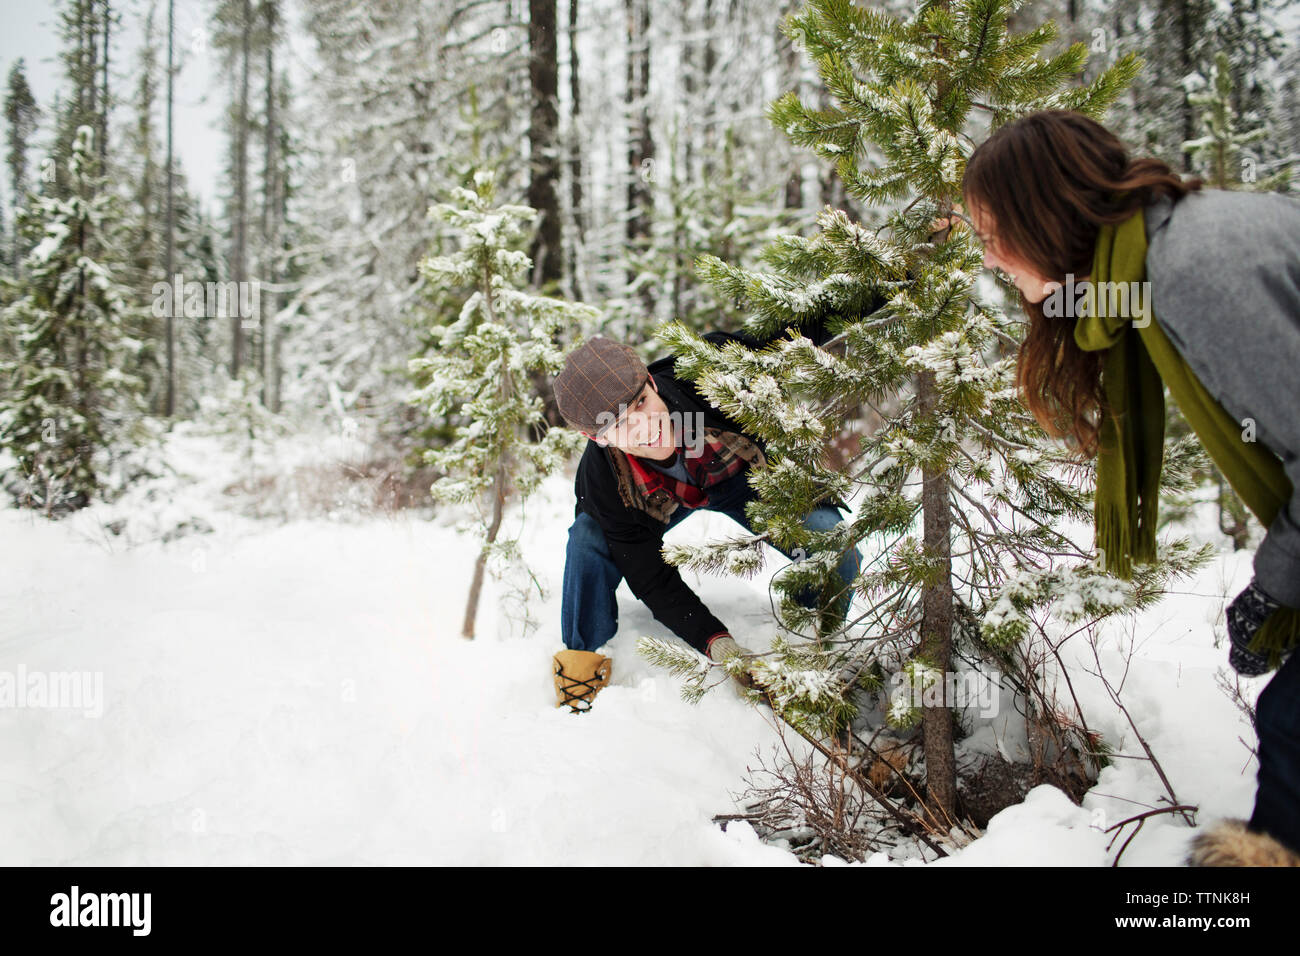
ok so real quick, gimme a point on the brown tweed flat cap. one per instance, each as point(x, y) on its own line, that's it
point(598, 378)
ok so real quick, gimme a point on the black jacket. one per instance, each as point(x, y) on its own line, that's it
point(634, 537)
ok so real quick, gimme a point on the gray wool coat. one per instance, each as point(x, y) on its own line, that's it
point(1224, 269)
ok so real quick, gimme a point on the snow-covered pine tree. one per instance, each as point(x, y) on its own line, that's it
point(957, 491)
point(725, 213)
point(21, 116)
point(480, 366)
point(66, 396)
point(369, 165)
point(1220, 154)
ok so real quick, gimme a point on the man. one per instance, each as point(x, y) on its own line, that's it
point(658, 452)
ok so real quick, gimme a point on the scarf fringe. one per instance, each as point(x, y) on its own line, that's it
point(1114, 541)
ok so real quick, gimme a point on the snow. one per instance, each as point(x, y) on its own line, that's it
point(298, 693)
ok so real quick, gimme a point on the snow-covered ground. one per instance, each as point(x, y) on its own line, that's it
point(299, 693)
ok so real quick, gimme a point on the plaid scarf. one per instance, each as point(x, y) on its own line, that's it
point(723, 455)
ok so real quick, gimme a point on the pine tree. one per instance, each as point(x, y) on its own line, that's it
point(723, 215)
point(21, 113)
point(381, 135)
point(958, 491)
point(481, 366)
point(82, 26)
point(66, 396)
point(1222, 156)
point(1248, 34)
point(1221, 153)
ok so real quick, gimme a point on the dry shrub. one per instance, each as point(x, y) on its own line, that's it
point(335, 489)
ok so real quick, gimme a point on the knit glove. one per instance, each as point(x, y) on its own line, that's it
point(723, 646)
point(1246, 614)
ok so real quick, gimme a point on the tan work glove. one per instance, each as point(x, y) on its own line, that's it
point(722, 646)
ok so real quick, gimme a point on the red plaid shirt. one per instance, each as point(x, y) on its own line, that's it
point(708, 468)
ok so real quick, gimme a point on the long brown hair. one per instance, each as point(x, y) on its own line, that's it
point(1050, 180)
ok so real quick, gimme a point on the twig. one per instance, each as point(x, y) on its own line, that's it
point(1140, 819)
point(1115, 697)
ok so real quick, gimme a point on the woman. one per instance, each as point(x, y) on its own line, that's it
point(1211, 308)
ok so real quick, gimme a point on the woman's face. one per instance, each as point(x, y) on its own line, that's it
point(996, 256)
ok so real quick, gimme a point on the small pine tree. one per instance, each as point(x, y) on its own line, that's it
point(1218, 154)
point(958, 489)
point(480, 366)
point(65, 396)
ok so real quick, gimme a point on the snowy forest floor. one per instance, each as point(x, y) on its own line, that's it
point(297, 692)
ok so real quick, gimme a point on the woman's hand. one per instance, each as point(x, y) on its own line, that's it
point(944, 224)
point(1246, 615)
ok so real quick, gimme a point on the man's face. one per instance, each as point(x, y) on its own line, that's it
point(644, 428)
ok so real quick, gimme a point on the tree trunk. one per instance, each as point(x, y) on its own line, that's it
point(937, 618)
point(791, 69)
point(936, 629)
point(241, 191)
point(270, 183)
point(640, 147)
point(171, 232)
point(476, 585)
point(575, 154)
point(1189, 112)
point(547, 248)
point(543, 75)
point(103, 113)
point(499, 478)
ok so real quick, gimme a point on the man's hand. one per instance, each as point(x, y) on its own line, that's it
point(1246, 615)
point(723, 646)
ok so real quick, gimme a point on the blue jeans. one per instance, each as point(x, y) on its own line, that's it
point(589, 609)
point(1277, 721)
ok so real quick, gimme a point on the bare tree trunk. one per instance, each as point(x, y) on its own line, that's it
point(103, 113)
point(171, 232)
point(791, 68)
point(476, 585)
point(543, 75)
point(240, 251)
point(1189, 111)
point(575, 154)
point(547, 249)
point(709, 111)
point(685, 124)
point(640, 147)
point(270, 182)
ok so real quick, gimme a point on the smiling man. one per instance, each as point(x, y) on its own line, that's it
point(658, 452)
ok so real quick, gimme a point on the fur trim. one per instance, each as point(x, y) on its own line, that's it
point(1233, 843)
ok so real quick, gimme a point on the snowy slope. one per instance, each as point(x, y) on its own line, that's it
point(299, 694)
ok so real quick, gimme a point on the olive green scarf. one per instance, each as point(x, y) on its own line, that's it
point(1131, 441)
